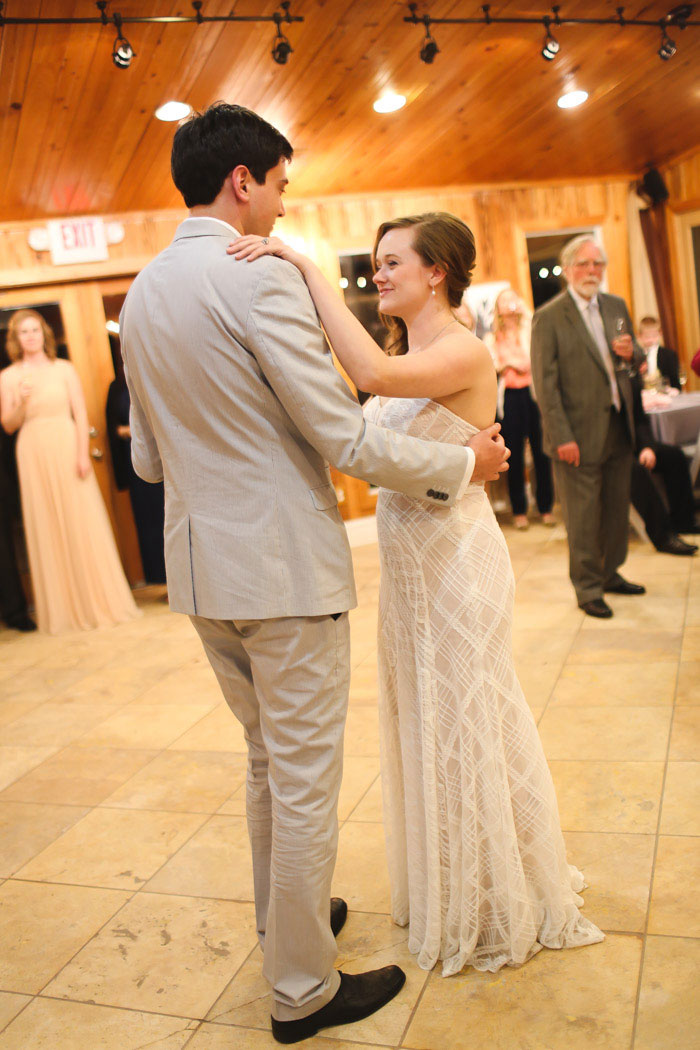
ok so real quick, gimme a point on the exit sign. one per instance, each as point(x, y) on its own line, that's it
point(77, 240)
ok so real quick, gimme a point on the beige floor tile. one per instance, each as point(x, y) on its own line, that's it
point(194, 781)
point(537, 682)
point(648, 613)
point(692, 615)
point(680, 814)
point(370, 807)
point(362, 731)
point(10, 1006)
point(11, 710)
point(634, 734)
point(220, 730)
point(581, 999)
point(685, 735)
point(615, 685)
point(361, 876)
point(56, 723)
point(48, 1024)
point(216, 862)
point(620, 645)
point(669, 1008)
point(617, 869)
point(113, 848)
point(359, 773)
point(147, 726)
point(675, 910)
point(235, 805)
point(78, 775)
point(218, 1037)
point(366, 943)
point(691, 644)
point(42, 927)
point(193, 683)
point(608, 796)
point(557, 616)
point(162, 954)
point(27, 828)
point(688, 689)
point(542, 647)
point(16, 761)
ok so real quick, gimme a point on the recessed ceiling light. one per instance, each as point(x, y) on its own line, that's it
point(544, 272)
point(173, 111)
point(113, 327)
point(572, 99)
point(389, 103)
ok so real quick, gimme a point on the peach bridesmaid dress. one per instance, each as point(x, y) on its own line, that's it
point(77, 576)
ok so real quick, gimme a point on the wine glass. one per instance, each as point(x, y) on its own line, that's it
point(621, 364)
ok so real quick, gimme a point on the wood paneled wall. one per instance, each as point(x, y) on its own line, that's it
point(500, 218)
point(683, 211)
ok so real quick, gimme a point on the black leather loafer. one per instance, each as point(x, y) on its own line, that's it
point(339, 913)
point(359, 995)
point(597, 607)
point(675, 545)
point(21, 622)
point(620, 586)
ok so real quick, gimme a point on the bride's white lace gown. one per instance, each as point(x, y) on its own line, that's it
point(476, 855)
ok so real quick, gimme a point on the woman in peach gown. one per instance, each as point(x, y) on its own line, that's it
point(76, 573)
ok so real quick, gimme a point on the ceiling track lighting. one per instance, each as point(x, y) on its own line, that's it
point(550, 47)
point(281, 48)
point(122, 51)
point(679, 16)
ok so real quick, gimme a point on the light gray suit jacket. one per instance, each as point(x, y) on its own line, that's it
point(236, 404)
point(570, 381)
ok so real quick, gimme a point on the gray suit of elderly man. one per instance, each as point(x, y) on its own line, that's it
point(235, 402)
point(585, 401)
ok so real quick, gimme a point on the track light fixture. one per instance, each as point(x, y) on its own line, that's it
point(668, 48)
point(122, 51)
point(550, 47)
point(429, 49)
point(281, 48)
point(678, 16)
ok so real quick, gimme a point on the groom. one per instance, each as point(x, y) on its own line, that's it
point(235, 402)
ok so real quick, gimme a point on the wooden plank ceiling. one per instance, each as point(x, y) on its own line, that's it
point(78, 135)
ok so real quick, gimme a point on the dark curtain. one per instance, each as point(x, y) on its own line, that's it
point(653, 220)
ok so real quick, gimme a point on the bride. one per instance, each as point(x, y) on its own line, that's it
point(476, 856)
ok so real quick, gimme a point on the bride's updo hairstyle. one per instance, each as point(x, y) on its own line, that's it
point(441, 240)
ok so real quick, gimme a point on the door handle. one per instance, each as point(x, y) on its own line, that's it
point(97, 453)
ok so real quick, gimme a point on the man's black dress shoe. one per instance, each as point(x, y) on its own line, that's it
point(597, 607)
point(339, 913)
point(359, 995)
point(620, 586)
point(675, 545)
point(21, 623)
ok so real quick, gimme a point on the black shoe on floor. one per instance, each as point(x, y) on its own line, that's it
point(339, 913)
point(621, 586)
point(597, 607)
point(359, 995)
point(21, 623)
point(675, 545)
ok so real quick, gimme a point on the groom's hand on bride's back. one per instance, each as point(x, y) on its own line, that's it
point(491, 454)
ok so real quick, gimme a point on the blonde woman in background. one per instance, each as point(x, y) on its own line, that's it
point(77, 576)
point(509, 343)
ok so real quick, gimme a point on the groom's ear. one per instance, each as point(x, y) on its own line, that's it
point(240, 179)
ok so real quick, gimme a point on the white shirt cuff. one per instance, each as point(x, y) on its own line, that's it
point(471, 463)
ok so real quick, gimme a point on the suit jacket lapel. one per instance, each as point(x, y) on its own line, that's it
point(574, 316)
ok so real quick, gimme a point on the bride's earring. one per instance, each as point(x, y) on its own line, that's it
point(432, 289)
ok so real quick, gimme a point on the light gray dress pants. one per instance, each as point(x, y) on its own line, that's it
point(287, 682)
point(595, 503)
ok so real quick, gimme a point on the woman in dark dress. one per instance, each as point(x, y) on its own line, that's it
point(147, 500)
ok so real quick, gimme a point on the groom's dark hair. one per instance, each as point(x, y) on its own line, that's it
point(208, 146)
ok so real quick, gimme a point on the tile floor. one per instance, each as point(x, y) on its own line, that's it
point(125, 882)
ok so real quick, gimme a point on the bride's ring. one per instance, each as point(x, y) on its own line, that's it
point(265, 240)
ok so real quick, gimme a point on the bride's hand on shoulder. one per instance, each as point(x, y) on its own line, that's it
point(253, 247)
